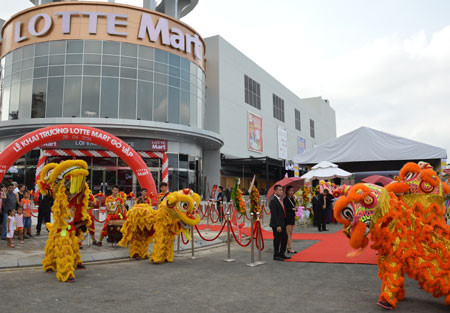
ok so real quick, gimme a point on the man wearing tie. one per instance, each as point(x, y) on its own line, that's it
point(278, 224)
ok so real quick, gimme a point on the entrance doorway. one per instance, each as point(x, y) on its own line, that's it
point(102, 179)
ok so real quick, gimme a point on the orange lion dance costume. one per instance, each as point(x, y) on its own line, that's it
point(407, 230)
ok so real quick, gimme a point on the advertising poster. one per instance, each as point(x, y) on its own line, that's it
point(301, 145)
point(282, 143)
point(255, 141)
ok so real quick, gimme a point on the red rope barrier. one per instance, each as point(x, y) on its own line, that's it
point(237, 240)
point(264, 208)
point(205, 239)
point(33, 215)
point(259, 234)
point(182, 239)
point(210, 214)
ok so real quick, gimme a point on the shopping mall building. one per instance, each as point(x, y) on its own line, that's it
point(141, 74)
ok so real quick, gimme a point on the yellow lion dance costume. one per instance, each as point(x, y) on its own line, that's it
point(67, 182)
point(177, 213)
point(410, 238)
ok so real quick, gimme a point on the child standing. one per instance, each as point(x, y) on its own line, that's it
point(11, 228)
point(25, 203)
point(19, 223)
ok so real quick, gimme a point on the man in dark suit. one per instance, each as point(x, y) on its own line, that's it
point(325, 201)
point(316, 208)
point(278, 224)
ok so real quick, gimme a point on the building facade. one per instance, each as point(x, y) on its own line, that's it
point(258, 117)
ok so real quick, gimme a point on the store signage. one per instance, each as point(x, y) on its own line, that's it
point(158, 145)
point(102, 21)
point(138, 144)
point(282, 143)
point(116, 25)
point(301, 145)
point(255, 140)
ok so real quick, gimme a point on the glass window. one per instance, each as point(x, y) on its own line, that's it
point(278, 108)
point(74, 58)
point(74, 46)
point(127, 107)
point(55, 97)
point(14, 102)
point(7, 81)
point(174, 71)
point(184, 107)
point(185, 64)
point(28, 51)
point(25, 99)
point(145, 75)
point(72, 96)
point(27, 74)
point(111, 60)
point(174, 82)
point(161, 68)
point(41, 49)
point(184, 85)
point(161, 78)
point(185, 75)
point(16, 77)
point(128, 62)
point(111, 47)
point(161, 56)
point(174, 105)
point(58, 47)
point(128, 72)
point(17, 55)
point(92, 59)
point(91, 70)
point(112, 71)
point(193, 111)
point(5, 102)
point(92, 46)
point(8, 59)
point(109, 100)
point(28, 63)
point(173, 160)
point(184, 181)
point(174, 60)
point(311, 128)
point(56, 71)
point(8, 70)
point(145, 65)
point(129, 49)
point(173, 180)
point(73, 69)
point(39, 97)
point(252, 92)
point(297, 120)
point(160, 103)
point(40, 72)
point(57, 59)
point(39, 61)
point(91, 97)
point(146, 52)
point(145, 100)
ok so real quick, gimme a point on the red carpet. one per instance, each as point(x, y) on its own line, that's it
point(332, 248)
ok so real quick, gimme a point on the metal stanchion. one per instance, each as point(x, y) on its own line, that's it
point(252, 255)
point(227, 220)
point(259, 238)
point(208, 208)
point(178, 245)
point(192, 243)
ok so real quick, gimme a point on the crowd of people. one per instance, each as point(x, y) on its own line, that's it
point(17, 204)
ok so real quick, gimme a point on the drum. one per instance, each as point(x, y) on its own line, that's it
point(113, 231)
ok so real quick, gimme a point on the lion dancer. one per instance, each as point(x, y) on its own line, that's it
point(71, 195)
point(115, 210)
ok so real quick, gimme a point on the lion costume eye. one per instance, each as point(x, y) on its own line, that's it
point(409, 175)
point(184, 205)
point(347, 213)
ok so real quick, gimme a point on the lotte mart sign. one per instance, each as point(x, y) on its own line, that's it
point(102, 21)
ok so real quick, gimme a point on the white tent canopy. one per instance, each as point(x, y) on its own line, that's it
point(366, 144)
point(326, 170)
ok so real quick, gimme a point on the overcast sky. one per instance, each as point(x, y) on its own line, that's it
point(383, 64)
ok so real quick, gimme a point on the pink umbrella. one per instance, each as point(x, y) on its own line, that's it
point(377, 179)
point(295, 182)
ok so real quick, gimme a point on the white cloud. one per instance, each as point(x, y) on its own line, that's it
point(398, 85)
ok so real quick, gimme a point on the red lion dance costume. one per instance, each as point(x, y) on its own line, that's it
point(405, 223)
